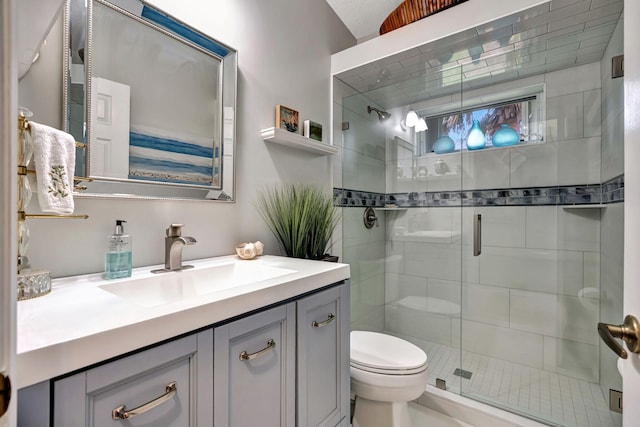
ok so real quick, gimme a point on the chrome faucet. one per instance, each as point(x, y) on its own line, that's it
point(173, 244)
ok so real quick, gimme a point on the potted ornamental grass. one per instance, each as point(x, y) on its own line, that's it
point(301, 217)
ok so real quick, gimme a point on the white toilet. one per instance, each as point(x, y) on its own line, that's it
point(386, 373)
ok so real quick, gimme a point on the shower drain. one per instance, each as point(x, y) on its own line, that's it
point(462, 373)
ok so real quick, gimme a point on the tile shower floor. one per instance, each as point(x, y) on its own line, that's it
point(557, 398)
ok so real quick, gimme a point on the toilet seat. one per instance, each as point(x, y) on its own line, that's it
point(389, 371)
point(385, 354)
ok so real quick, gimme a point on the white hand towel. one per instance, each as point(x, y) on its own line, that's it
point(54, 153)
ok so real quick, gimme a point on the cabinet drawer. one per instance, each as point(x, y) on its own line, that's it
point(139, 381)
point(254, 367)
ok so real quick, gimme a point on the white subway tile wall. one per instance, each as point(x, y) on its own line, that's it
point(363, 148)
point(538, 291)
point(611, 288)
point(486, 304)
point(592, 113)
point(503, 343)
point(592, 273)
point(571, 358)
point(534, 165)
point(565, 116)
point(364, 250)
point(579, 161)
point(485, 169)
point(501, 226)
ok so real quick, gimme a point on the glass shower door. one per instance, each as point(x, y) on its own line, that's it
point(531, 297)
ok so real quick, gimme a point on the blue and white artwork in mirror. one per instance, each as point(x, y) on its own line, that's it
point(159, 116)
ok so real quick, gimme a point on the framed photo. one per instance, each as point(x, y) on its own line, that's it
point(312, 130)
point(287, 118)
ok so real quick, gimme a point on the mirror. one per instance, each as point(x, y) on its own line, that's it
point(150, 101)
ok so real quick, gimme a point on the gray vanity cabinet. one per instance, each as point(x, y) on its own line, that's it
point(323, 357)
point(255, 370)
point(168, 384)
point(283, 366)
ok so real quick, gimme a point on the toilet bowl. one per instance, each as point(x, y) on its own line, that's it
point(386, 373)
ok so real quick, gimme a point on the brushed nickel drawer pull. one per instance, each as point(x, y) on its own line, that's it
point(330, 318)
point(121, 413)
point(271, 344)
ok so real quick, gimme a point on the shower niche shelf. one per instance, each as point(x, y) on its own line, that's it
point(294, 140)
point(587, 206)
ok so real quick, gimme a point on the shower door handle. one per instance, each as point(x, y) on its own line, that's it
point(477, 234)
point(629, 332)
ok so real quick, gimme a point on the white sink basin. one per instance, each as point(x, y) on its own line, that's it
point(176, 286)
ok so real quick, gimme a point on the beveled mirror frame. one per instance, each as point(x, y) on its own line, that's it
point(109, 187)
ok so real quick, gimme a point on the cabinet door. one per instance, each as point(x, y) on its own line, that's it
point(30, 414)
point(323, 357)
point(142, 381)
point(254, 368)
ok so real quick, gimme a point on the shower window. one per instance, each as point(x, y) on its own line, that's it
point(522, 115)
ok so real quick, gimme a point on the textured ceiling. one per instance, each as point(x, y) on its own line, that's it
point(363, 17)
point(548, 37)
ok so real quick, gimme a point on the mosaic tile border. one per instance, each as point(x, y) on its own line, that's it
point(358, 199)
point(611, 191)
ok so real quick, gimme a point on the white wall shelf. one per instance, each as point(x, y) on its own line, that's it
point(294, 140)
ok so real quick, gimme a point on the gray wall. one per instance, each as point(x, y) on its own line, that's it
point(284, 53)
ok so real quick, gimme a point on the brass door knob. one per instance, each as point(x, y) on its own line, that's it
point(629, 332)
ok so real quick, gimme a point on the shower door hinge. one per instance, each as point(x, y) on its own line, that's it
point(617, 66)
point(441, 384)
point(615, 400)
point(345, 125)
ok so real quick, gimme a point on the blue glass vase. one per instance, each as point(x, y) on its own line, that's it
point(444, 145)
point(476, 139)
point(505, 136)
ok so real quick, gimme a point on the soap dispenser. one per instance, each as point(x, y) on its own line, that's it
point(117, 262)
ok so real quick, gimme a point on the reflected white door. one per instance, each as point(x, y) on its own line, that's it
point(631, 366)
point(109, 145)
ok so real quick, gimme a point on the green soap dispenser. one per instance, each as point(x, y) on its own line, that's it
point(117, 261)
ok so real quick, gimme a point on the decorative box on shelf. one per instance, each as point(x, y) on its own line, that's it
point(294, 140)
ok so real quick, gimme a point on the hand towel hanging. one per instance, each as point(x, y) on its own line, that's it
point(55, 157)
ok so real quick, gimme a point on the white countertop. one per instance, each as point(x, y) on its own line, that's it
point(79, 323)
